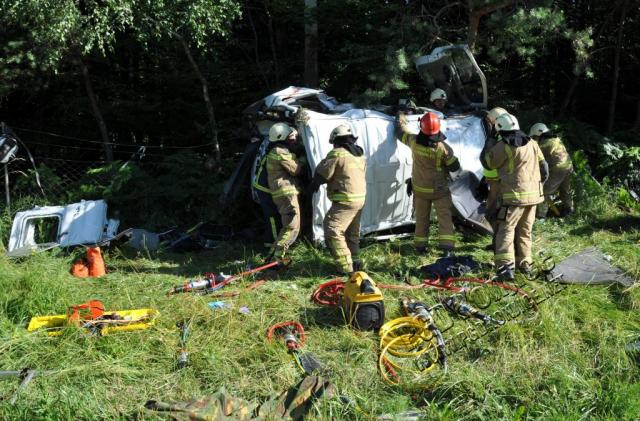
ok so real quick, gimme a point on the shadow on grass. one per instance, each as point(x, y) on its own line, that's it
point(326, 316)
point(617, 224)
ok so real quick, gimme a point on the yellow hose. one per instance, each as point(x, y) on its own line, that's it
point(405, 337)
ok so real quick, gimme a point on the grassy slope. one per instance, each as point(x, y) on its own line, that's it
point(565, 362)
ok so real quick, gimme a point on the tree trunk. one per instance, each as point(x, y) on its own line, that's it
point(205, 95)
point(567, 98)
point(97, 114)
point(310, 43)
point(476, 14)
point(616, 71)
point(272, 41)
point(255, 48)
point(636, 124)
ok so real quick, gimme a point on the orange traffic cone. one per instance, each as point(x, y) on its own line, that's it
point(96, 262)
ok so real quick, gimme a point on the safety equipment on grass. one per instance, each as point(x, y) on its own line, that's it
point(279, 132)
point(362, 302)
point(429, 124)
point(183, 355)
point(494, 113)
point(456, 305)
point(341, 131)
point(507, 122)
point(437, 94)
point(92, 316)
point(538, 129)
point(92, 266)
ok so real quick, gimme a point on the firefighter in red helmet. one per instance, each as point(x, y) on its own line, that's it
point(432, 161)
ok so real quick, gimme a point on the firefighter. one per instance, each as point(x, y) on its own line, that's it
point(432, 160)
point(522, 170)
point(438, 99)
point(283, 170)
point(343, 170)
point(269, 208)
point(560, 170)
point(491, 176)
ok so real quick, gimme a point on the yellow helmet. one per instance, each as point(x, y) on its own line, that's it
point(507, 122)
point(279, 132)
point(495, 113)
point(438, 94)
point(341, 130)
point(538, 129)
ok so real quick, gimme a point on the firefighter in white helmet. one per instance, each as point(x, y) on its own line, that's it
point(343, 170)
point(284, 169)
point(522, 170)
point(560, 170)
point(438, 99)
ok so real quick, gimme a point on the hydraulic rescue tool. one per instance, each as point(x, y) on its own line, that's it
point(25, 376)
point(292, 334)
point(456, 305)
point(212, 282)
point(92, 316)
point(362, 302)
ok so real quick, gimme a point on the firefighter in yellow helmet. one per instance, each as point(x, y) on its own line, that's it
point(438, 99)
point(343, 170)
point(491, 176)
point(284, 169)
point(560, 170)
point(432, 161)
point(522, 170)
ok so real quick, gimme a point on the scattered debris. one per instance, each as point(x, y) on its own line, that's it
point(215, 305)
point(183, 355)
point(25, 375)
point(590, 266)
point(43, 228)
point(244, 310)
point(292, 333)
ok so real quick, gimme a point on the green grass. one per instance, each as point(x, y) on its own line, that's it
point(567, 361)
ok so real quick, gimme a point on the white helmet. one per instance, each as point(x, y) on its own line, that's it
point(279, 132)
point(341, 130)
point(438, 94)
point(506, 122)
point(495, 113)
point(538, 129)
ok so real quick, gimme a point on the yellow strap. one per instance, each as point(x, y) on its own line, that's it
point(345, 197)
point(422, 189)
point(285, 191)
point(509, 152)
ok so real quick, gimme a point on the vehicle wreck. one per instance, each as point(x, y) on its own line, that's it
point(315, 114)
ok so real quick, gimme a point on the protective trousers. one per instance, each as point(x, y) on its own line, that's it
point(446, 237)
point(515, 224)
point(271, 216)
point(492, 203)
point(559, 182)
point(342, 233)
point(289, 209)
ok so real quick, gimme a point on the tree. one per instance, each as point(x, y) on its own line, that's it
point(192, 23)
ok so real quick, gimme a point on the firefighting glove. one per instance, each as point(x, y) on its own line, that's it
point(409, 187)
point(317, 181)
point(544, 171)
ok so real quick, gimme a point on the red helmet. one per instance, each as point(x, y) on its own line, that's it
point(429, 124)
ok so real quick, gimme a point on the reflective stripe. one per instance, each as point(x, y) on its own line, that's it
point(344, 197)
point(509, 153)
point(447, 237)
point(490, 174)
point(565, 164)
point(420, 238)
point(285, 191)
point(487, 158)
point(255, 183)
point(337, 153)
point(504, 256)
point(422, 150)
point(281, 157)
point(521, 195)
point(274, 230)
point(451, 161)
point(439, 153)
point(422, 189)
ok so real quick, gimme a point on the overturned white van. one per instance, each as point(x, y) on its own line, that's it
point(389, 162)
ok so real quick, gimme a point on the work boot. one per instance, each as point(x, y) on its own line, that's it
point(565, 212)
point(357, 265)
point(490, 247)
point(421, 250)
point(505, 273)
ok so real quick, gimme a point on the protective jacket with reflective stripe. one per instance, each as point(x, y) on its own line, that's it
point(555, 153)
point(283, 168)
point(345, 175)
point(518, 165)
point(431, 164)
